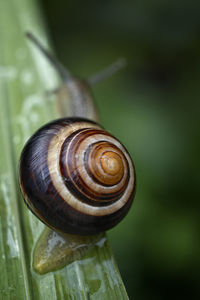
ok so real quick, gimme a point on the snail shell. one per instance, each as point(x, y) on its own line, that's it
point(76, 177)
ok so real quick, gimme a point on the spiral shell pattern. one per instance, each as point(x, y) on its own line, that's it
point(76, 177)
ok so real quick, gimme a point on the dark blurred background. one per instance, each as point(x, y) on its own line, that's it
point(153, 107)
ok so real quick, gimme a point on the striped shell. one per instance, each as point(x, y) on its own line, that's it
point(76, 177)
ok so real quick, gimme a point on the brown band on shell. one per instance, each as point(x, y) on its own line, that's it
point(73, 175)
point(57, 178)
point(109, 165)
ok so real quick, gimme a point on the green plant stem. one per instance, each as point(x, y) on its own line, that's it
point(25, 76)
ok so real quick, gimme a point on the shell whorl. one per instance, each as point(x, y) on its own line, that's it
point(73, 174)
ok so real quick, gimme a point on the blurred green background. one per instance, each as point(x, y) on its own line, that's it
point(153, 107)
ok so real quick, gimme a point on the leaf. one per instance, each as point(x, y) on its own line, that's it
point(25, 75)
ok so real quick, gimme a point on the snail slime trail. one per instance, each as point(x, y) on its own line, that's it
point(77, 178)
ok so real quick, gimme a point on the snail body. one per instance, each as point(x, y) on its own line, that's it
point(74, 176)
point(75, 96)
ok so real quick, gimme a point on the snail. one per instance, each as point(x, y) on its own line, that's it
point(74, 176)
